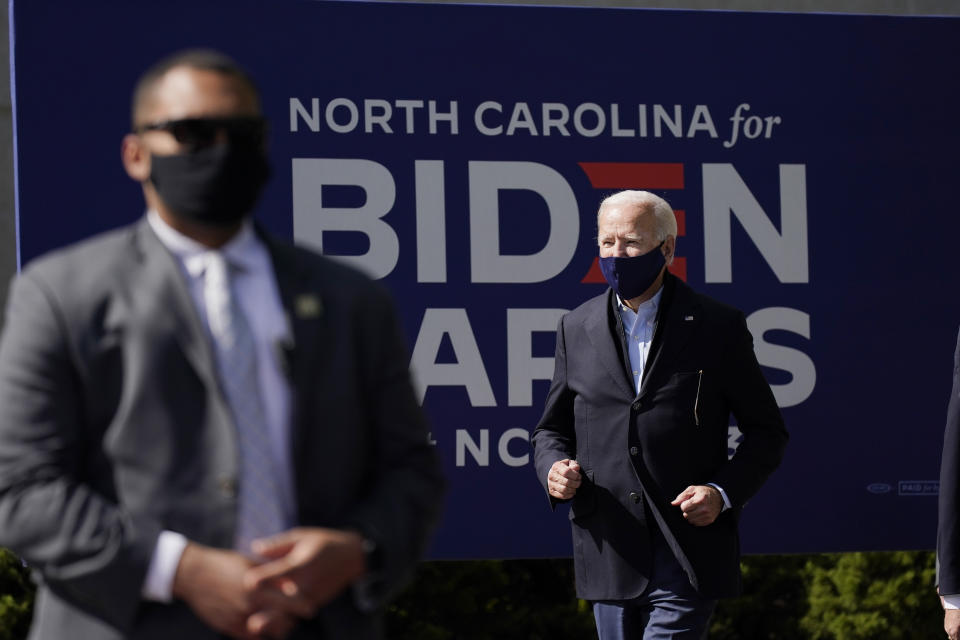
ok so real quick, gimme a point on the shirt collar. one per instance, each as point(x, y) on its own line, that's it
point(243, 250)
point(645, 308)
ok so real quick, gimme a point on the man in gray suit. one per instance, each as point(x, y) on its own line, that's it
point(205, 431)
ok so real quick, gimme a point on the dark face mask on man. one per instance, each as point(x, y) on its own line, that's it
point(216, 185)
point(217, 179)
point(631, 276)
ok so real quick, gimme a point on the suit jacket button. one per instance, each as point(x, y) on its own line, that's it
point(637, 405)
point(228, 486)
point(635, 496)
point(634, 451)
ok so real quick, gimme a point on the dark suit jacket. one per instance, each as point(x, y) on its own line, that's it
point(113, 427)
point(948, 527)
point(637, 452)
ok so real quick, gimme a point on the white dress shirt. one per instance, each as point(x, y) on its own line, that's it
point(258, 296)
point(638, 328)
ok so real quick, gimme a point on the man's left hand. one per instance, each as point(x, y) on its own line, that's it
point(306, 568)
point(700, 504)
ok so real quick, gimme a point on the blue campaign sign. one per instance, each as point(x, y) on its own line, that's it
point(459, 153)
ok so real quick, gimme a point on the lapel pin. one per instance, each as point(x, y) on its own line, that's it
point(307, 306)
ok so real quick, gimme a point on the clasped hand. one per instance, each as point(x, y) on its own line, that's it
point(301, 570)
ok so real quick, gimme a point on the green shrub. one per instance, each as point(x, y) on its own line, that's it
point(774, 599)
point(851, 596)
point(16, 597)
point(480, 600)
point(854, 596)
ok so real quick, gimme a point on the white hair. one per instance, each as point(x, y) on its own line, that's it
point(666, 220)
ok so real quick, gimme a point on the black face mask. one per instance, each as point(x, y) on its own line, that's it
point(631, 276)
point(216, 185)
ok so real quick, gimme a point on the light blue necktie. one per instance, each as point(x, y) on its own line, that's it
point(261, 509)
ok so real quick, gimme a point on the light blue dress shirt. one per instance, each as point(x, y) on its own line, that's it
point(638, 329)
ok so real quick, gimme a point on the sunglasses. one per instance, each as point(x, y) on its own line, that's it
point(198, 133)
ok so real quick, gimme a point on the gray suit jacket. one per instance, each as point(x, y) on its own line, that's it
point(113, 427)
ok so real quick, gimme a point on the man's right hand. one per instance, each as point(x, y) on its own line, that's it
point(563, 479)
point(211, 582)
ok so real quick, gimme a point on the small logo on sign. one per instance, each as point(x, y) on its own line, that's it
point(879, 487)
point(918, 487)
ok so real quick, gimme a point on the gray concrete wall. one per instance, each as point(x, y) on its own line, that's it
point(8, 250)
